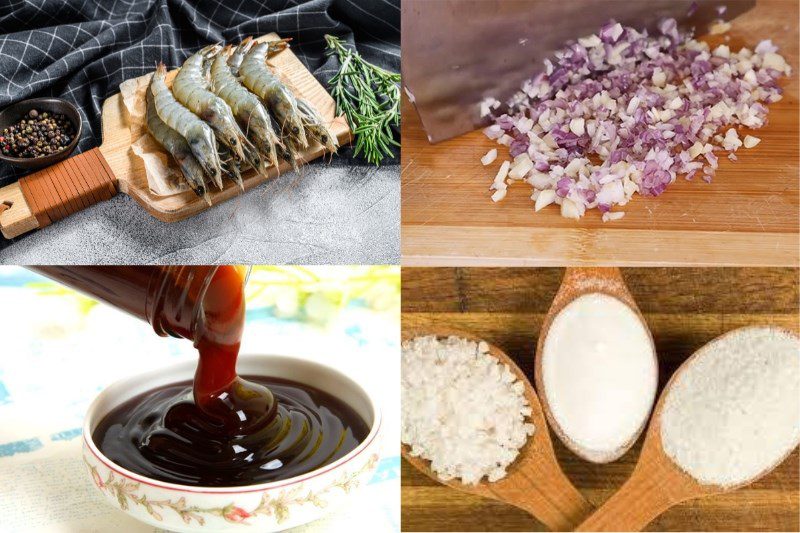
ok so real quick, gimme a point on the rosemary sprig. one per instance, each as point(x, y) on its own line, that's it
point(369, 96)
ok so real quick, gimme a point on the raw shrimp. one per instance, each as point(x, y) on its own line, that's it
point(175, 144)
point(236, 56)
point(257, 76)
point(284, 150)
point(315, 126)
point(247, 108)
point(190, 88)
point(197, 133)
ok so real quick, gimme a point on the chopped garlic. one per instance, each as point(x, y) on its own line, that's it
point(490, 156)
point(499, 194)
point(616, 215)
point(774, 61)
point(577, 126)
point(539, 180)
point(720, 109)
point(616, 31)
point(574, 167)
point(549, 141)
point(632, 105)
point(521, 168)
point(590, 42)
point(695, 150)
point(569, 209)
point(545, 198)
point(503, 172)
point(722, 51)
point(718, 27)
point(524, 125)
point(731, 141)
point(750, 141)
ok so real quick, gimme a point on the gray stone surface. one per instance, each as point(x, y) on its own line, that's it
point(334, 214)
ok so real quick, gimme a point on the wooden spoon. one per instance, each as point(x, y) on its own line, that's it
point(578, 282)
point(657, 483)
point(534, 481)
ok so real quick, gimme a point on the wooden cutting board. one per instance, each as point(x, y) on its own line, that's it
point(128, 170)
point(749, 215)
point(684, 307)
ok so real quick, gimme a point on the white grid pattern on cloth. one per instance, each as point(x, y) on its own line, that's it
point(81, 50)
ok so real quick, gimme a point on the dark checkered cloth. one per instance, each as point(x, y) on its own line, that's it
point(82, 50)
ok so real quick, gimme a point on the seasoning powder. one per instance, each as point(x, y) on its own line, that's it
point(734, 411)
point(600, 374)
point(462, 409)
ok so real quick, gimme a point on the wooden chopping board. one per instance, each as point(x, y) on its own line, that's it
point(129, 171)
point(749, 215)
point(684, 307)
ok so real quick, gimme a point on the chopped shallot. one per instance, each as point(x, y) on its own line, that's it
point(623, 112)
point(490, 156)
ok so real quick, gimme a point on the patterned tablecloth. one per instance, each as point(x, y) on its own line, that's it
point(58, 350)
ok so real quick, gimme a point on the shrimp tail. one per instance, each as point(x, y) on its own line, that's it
point(210, 51)
point(277, 46)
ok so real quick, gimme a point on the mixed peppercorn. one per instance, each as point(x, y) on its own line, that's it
point(37, 134)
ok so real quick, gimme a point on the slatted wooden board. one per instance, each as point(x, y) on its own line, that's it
point(749, 215)
point(684, 308)
point(129, 170)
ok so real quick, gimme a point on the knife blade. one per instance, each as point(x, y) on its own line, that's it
point(456, 53)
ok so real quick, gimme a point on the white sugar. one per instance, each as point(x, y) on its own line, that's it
point(734, 412)
point(600, 374)
point(461, 408)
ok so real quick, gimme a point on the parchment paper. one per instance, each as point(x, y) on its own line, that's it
point(163, 175)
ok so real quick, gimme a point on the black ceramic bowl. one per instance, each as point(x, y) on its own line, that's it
point(15, 112)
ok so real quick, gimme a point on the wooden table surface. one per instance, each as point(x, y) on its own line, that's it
point(749, 215)
point(684, 308)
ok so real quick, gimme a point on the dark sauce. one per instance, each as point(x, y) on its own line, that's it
point(220, 430)
point(164, 435)
point(238, 406)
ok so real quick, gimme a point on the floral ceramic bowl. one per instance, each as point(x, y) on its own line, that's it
point(265, 507)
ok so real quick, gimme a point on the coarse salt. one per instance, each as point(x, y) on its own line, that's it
point(733, 412)
point(461, 408)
